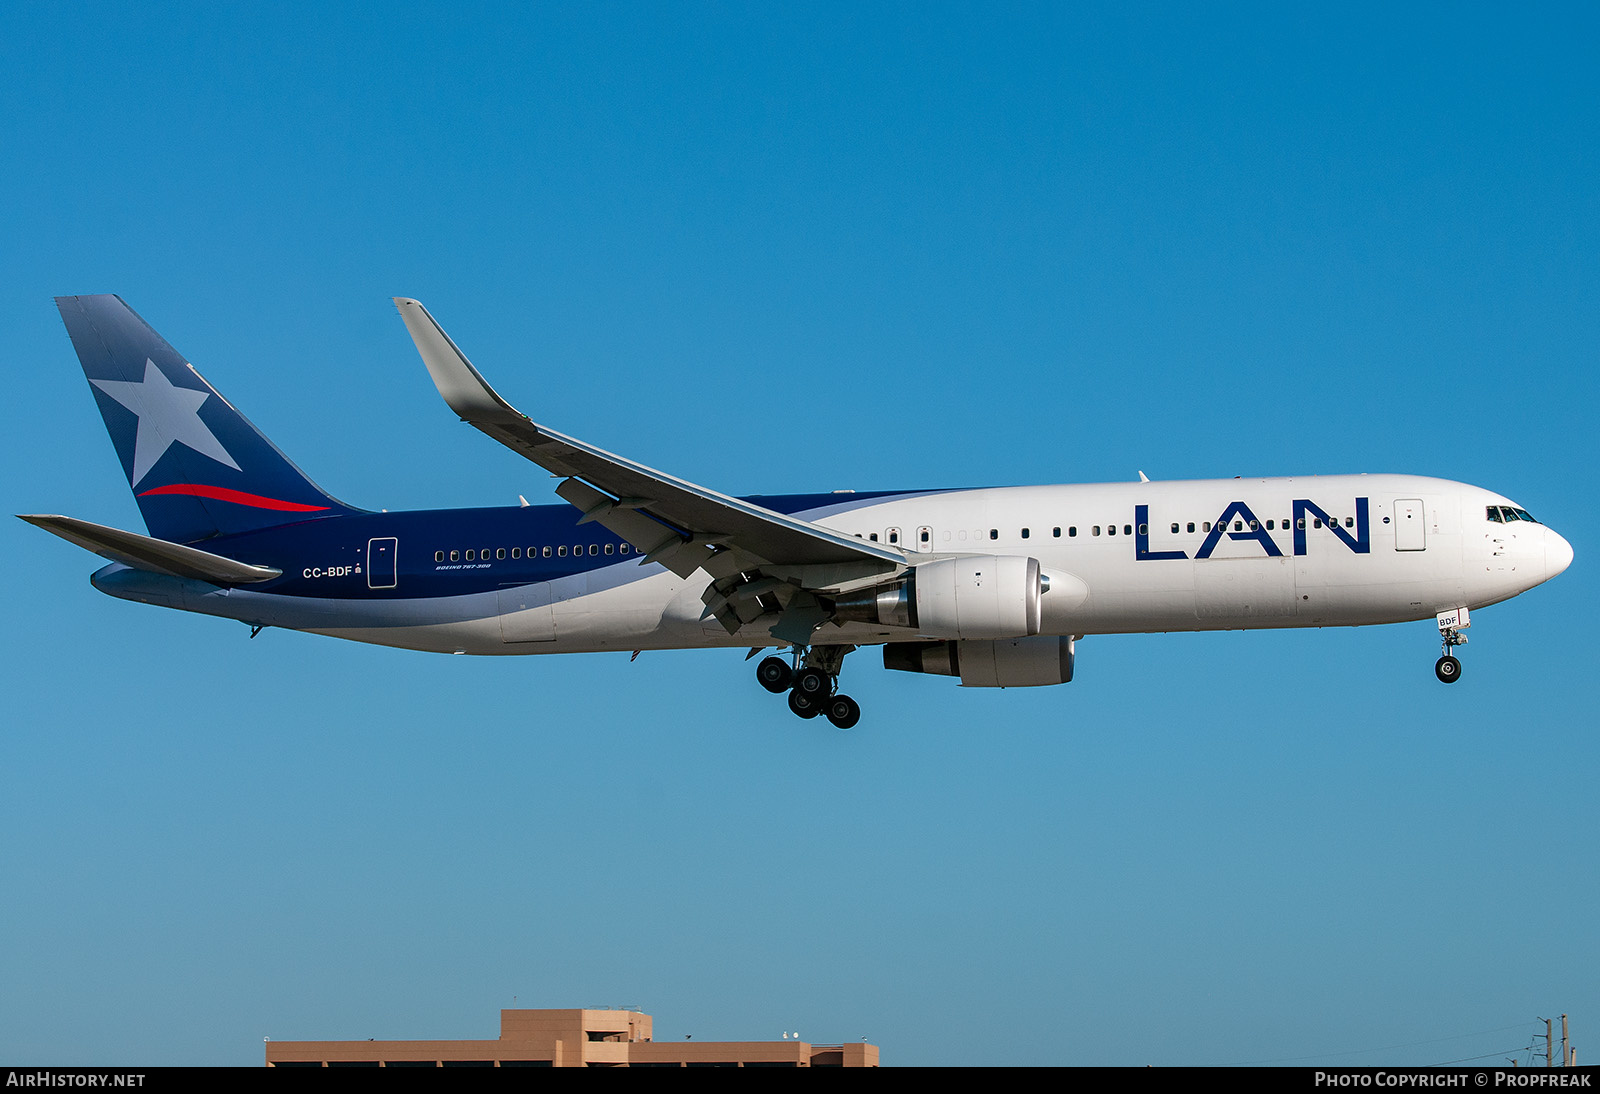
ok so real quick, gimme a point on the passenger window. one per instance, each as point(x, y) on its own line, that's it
point(1111, 529)
point(561, 550)
point(1174, 527)
point(1072, 532)
point(455, 556)
point(610, 547)
point(1300, 523)
point(594, 548)
point(622, 548)
point(1127, 529)
point(994, 533)
point(1349, 522)
point(516, 552)
point(499, 552)
point(469, 556)
point(1024, 533)
point(1191, 526)
point(1097, 529)
point(1238, 526)
point(545, 552)
point(1056, 531)
point(1316, 522)
point(873, 537)
point(1144, 529)
point(1255, 526)
point(438, 556)
point(1205, 526)
point(1269, 525)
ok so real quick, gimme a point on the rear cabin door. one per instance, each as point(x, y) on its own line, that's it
point(1408, 525)
point(381, 563)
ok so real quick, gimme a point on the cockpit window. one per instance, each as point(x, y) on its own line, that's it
point(1505, 514)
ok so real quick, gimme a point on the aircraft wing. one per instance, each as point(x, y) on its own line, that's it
point(677, 523)
point(155, 555)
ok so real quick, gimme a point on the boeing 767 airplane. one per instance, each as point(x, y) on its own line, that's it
point(989, 585)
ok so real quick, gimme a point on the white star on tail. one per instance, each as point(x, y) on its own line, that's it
point(166, 413)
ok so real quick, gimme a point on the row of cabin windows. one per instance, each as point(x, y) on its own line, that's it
point(486, 553)
point(925, 535)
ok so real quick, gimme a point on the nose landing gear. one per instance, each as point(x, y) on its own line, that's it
point(812, 683)
point(1451, 624)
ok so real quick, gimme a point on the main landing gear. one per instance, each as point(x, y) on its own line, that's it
point(812, 683)
point(1448, 668)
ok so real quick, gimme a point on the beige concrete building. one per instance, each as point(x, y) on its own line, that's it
point(569, 1038)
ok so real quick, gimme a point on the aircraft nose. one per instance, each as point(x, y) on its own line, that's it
point(1557, 554)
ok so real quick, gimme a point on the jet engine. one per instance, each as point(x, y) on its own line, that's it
point(971, 597)
point(1001, 663)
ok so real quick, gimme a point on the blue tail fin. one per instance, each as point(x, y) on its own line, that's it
point(198, 468)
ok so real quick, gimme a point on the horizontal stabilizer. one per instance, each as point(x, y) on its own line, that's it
point(155, 555)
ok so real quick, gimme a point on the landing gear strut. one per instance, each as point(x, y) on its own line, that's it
point(812, 683)
point(1448, 668)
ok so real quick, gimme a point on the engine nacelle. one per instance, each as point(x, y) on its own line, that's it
point(1002, 663)
point(978, 596)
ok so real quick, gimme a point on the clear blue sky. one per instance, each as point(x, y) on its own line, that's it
point(774, 248)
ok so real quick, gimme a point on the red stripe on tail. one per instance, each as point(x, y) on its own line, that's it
point(238, 497)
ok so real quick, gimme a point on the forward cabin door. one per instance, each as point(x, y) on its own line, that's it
point(1408, 525)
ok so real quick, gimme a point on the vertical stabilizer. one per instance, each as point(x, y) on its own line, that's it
point(197, 467)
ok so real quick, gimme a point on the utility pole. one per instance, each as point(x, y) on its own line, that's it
point(1565, 1052)
point(1549, 1044)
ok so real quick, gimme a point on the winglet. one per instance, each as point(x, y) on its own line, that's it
point(467, 392)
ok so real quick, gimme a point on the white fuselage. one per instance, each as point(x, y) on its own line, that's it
point(1405, 548)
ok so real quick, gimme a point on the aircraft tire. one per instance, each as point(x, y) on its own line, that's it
point(774, 675)
point(1447, 669)
point(814, 684)
point(803, 705)
point(844, 712)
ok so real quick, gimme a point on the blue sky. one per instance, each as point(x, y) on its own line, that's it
point(788, 249)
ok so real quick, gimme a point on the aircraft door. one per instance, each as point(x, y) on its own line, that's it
point(1408, 525)
point(924, 539)
point(527, 614)
point(381, 570)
